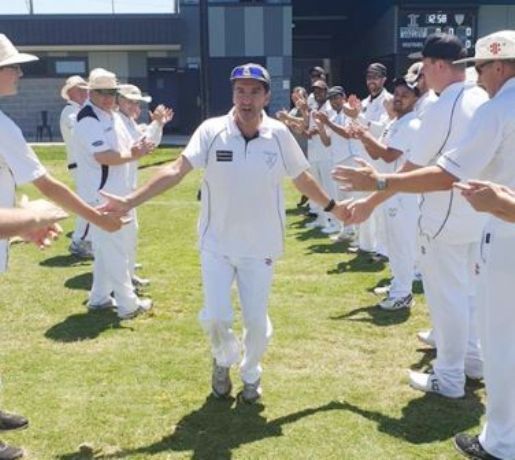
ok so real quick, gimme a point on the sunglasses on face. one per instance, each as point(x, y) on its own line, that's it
point(246, 71)
point(15, 67)
point(106, 92)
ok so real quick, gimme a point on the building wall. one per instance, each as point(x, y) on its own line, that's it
point(238, 34)
point(34, 96)
point(492, 18)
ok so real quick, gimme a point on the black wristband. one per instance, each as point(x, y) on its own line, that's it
point(330, 206)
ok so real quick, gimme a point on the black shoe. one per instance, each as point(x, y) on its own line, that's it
point(12, 422)
point(470, 447)
point(9, 452)
point(303, 200)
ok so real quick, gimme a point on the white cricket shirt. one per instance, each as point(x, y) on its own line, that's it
point(66, 123)
point(242, 199)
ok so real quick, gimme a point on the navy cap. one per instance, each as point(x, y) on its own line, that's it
point(441, 46)
point(251, 71)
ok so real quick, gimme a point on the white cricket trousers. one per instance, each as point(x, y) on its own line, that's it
point(111, 271)
point(321, 171)
point(496, 315)
point(448, 277)
point(342, 195)
point(254, 278)
point(132, 244)
point(400, 216)
point(82, 231)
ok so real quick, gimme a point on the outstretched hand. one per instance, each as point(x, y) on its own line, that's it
point(114, 205)
point(341, 211)
point(483, 196)
point(363, 178)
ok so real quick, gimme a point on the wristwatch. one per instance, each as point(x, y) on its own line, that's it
point(381, 183)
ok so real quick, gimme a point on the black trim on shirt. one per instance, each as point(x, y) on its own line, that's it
point(85, 112)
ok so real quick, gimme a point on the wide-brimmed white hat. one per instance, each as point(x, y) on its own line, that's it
point(72, 82)
point(9, 55)
point(133, 93)
point(497, 46)
point(101, 79)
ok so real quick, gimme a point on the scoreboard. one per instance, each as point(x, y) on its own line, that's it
point(416, 24)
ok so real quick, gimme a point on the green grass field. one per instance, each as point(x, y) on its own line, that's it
point(335, 376)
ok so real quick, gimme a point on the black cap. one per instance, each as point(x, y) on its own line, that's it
point(377, 68)
point(441, 46)
point(317, 70)
point(335, 91)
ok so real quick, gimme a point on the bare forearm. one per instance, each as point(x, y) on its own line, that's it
point(427, 179)
point(66, 198)
point(308, 186)
point(112, 158)
point(165, 178)
point(505, 207)
point(374, 148)
point(16, 221)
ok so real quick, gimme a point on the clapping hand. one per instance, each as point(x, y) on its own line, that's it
point(363, 178)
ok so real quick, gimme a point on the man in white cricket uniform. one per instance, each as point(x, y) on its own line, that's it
point(343, 148)
point(374, 116)
point(104, 150)
point(129, 100)
point(487, 152)
point(400, 212)
point(245, 155)
point(19, 165)
point(74, 93)
point(449, 229)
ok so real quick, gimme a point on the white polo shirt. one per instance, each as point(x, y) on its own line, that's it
point(446, 215)
point(487, 151)
point(242, 199)
point(424, 102)
point(97, 131)
point(373, 112)
point(341, 148)
point(399, 134)
point(153, 132)
point(18, 165)
point(317, 151)
point(66, 123)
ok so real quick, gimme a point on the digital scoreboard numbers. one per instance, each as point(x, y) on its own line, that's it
point(416, 25)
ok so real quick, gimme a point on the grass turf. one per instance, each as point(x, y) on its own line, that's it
point(335, 376)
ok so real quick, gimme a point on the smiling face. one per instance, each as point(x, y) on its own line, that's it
point(249, 98)
point(404, 100)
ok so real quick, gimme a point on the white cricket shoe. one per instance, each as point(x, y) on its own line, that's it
point(427, 338)
point(429, 384)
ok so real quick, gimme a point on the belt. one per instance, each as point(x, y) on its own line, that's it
point(72, 165)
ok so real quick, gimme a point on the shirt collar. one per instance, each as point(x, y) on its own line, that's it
point(264, 129)
point(506, 86)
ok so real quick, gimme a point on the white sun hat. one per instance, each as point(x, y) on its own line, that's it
point(9, 55)
point(133, 93)
point(101, 79)
point(72, 82)
point(497, 46)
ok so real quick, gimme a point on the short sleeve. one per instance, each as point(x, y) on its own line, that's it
point(475, 150)
point(197, 149)
point(294, 160)
point(403, 139)
point(19, 157)
point(91, 135)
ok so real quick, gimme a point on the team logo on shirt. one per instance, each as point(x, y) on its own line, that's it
point(97, 143)
point(270, 159)
point(224, 155)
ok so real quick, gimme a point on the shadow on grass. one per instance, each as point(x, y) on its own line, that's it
point(360, 263)
point(429, 418)
point(424, 363)
point(82, 281)
point(67, 260)
point(373, 314)
point(84, 326)
point(215, 429)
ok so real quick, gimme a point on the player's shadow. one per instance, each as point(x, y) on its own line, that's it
point(424, 363)
point(327, 248)
point(374, 315)
point(82, 281)
point(67, 260)
point(427, 419)
point(359, 263)
point(84, 326)
point(216, 428)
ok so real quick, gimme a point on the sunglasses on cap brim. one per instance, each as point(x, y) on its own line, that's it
point(106, 92)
